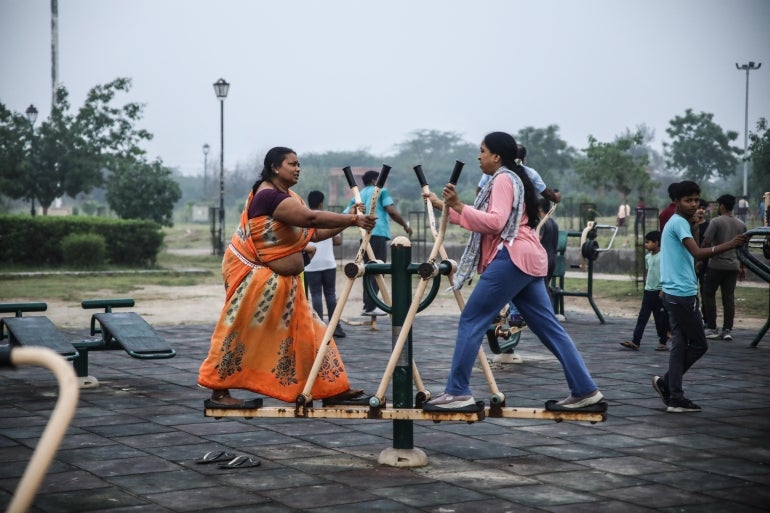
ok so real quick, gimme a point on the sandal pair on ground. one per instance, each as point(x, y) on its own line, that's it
point(227, 460)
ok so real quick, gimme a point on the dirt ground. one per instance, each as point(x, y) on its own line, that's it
point(185, 305)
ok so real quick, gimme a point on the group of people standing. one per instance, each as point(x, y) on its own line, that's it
point(268, 334)
point(690, 252)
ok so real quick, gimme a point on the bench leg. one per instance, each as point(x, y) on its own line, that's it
point(81, 369)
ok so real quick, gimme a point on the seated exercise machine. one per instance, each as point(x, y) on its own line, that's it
point(119, 331)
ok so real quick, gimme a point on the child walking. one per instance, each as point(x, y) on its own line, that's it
point(651, 299)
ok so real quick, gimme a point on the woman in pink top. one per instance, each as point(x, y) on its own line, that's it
point(506, 251)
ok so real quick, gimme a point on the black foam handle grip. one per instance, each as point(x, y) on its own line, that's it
point(420, 175)
point(383, 176)
point(349, 176)
point(456, 172)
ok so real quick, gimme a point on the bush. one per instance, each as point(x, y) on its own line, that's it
point(84, 250)
point(36, 241)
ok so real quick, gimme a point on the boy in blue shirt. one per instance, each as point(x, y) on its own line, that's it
point(652, 303)
point(680, 295)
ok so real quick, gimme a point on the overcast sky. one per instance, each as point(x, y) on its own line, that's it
point(347, 75)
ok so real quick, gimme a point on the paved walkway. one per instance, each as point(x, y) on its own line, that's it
point(133, 442)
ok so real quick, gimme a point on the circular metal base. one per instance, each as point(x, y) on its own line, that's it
point(406, 458)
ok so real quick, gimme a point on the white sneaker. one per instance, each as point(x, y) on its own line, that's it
point(561, 318)
point(713, 334)
point(582, 401)
point(375, 311)
point(506, 358)
point(452, 402)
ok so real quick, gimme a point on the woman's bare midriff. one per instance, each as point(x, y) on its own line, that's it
point(290, 265)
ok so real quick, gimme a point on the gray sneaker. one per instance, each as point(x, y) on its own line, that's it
point(582, 401)
point(727, 335)
point(713, 334)
point(452, 402)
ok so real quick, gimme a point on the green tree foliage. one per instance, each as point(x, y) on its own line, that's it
point(436, 152)
point(141, 190)
point(615, 165)
point(760, 155)
point(67, 153)
point(547, 152)
point(699, 148)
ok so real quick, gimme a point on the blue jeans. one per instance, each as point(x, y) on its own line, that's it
point(501, 282)
point(688, 341)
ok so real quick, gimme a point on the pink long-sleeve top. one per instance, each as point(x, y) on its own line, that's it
point(526, 252)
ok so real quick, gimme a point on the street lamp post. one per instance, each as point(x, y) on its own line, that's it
point(748, 67)
point(221, 88)
point(31, 113)
point(206, 148)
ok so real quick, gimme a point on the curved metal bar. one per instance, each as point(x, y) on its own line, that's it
point(57, 425)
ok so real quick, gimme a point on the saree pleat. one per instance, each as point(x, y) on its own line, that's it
point(268, 335)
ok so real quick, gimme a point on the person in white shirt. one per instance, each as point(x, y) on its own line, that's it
point(321, 272)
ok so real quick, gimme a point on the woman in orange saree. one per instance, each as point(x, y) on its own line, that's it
point(267, 336)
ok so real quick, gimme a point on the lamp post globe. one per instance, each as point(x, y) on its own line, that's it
point(31, 113)
point(221, 88)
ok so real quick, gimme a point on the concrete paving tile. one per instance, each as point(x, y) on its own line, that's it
point(156, 482)
point(574, 451)
point(79, 501)
point(379, 505)
point(126, 466)
point(629, 465)
point(377, 477)
point(589, 480)
point(317, 496)
point(206, 499)
point(266, 478)
point(429, 494)
point(656, 496)
point(542, 496)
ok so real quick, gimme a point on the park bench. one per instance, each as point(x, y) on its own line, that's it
point(33, 330)
point(119, 330)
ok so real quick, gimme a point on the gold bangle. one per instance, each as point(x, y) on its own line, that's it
point(353, 219)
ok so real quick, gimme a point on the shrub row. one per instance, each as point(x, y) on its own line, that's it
point(38, 240)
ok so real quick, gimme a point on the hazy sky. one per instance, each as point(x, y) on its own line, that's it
point(347, 75)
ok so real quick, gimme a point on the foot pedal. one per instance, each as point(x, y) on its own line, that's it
point(471, 408)
point(356, 401)
point(251, 404)
point(600, 407)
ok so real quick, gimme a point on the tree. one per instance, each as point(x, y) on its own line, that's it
point(436, 152)
point(760, 155)
point(700, 149)
point(67, 153)
point(615, 165)
point(547, 152)
point(141, 190)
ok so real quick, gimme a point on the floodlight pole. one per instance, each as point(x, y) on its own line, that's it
point(748, 67)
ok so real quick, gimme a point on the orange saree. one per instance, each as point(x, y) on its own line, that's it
point(268, 335)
